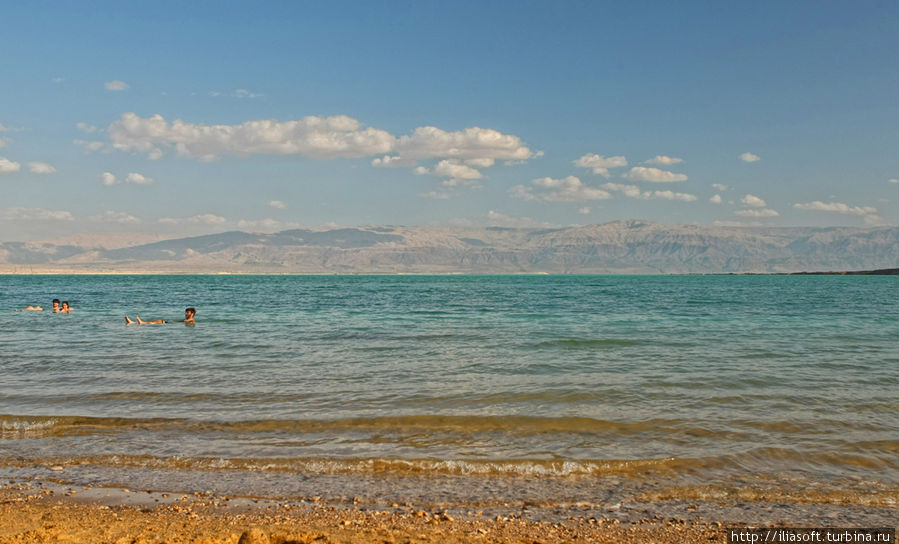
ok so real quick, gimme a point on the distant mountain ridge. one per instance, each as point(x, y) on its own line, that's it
point(618, 247)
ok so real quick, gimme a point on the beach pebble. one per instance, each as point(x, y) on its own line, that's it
point(57, 468)
point(254, 536)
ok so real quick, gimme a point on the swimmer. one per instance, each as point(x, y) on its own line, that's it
point(188, 318)
point(65, 307)
point(31, 309)
point(55, 305)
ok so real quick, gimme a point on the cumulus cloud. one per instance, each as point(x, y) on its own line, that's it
point(41, 168)
point(664, 159)
point(753, 201)
point(498, 219)
point(436, 195)
point(116, 85)
point(108, 179)
point(88, 128)
point(317, 137)
point(333, 137)
point(392, 161)
point(39, 214)
point(467, 144)
point(869, 213)
point(267, 224)
point(757, 212)
point(715, 199)
point(600, 164)
point(569, 189)
point(450, 168)
point(720, 186)
point(584, 211)
point(139, 179)
point(90, 146)
point(750, 157)
point(655, 175)
point(633, 191)
point(201, 219)
point(3, 142)
point(122, 218)
point(9, 167)
point(894, 180)
point(481, 163)
point(278, 205)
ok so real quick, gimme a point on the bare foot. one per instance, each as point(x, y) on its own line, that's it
point(128, 320)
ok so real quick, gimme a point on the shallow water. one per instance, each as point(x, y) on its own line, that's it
point(672, 387)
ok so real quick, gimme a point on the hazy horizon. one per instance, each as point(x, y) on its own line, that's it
point(171, 120)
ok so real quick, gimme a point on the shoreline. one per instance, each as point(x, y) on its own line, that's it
point(42, 511)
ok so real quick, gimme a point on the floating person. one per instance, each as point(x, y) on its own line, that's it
point(65, 307)
point(55, 305)
point(31, 309)
point(188, 319)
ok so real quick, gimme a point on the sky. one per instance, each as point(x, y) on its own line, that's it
point(184, 118)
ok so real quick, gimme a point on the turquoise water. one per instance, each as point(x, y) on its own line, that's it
point(693, 387)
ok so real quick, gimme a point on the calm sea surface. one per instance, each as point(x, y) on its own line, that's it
point(656, 387)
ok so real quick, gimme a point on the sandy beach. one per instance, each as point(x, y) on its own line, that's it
point(40, 512)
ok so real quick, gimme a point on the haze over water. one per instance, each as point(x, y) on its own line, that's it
point(589, 388)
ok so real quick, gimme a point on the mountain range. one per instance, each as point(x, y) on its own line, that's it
point(617, 247)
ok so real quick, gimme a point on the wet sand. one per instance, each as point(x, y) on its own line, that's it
point(41, 512)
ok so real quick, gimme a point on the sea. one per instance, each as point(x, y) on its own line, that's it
point(753, 398)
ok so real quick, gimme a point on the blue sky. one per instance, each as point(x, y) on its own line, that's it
point(173, 119)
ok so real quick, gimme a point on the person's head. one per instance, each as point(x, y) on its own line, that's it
point(190, 312)
point(55, 302)
point(65, 304)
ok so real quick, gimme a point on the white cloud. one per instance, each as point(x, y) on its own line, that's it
point(584, 211)
point(715, 199)
point(460, 182)
point(436, 195)
point(894, 180)
point(41, 168)
point(108, 179)
point(655, 175)
point(278, 205)
point(139, 179)
point(90, 146)
point(115, 217)
point(720, 186)
point(750, 157)
point(753, 201)
point(569, 189)
point(87, 128)
point(243, 93)
point(450, 168)
point(664, 159)
point(633, 191)
point(30, 214)
point(391, 161)
point(481, 163)
point(600, 164)
point(757, 212)
point(267, 224)
point(8, 167)
point(837, 207)
point(497, 219)
point(317, 137)
point(469, 143)
point(201, 219)
point(2, 128)
point(58, 80)
point(3, 142)
point(116, 85)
